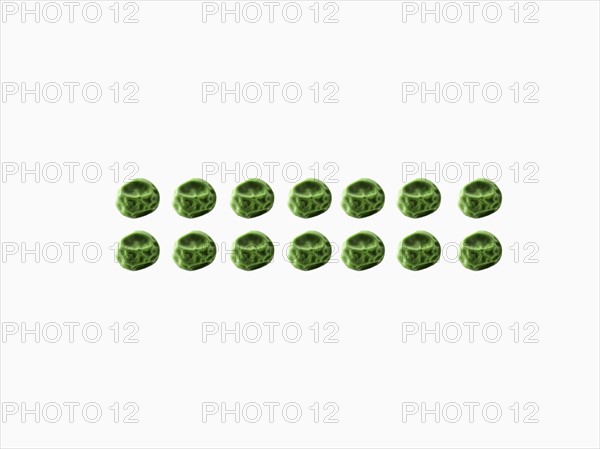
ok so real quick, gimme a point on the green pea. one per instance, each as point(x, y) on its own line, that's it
point(252, 251)
point(363, 251)
point(252, 198)
point(480, 198)
point(194, 251)
point(309, 251)
point(419, 250)
point(480, 251)
point(137, 251)
point(137, 198)
point(363, 198)
point(194, 198)
point(309, 198)
point(419, 198)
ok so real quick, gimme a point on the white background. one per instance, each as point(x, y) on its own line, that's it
point(370, 132)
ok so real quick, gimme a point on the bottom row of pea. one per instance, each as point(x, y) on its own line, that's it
point(308, 251)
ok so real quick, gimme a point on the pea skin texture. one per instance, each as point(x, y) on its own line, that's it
point(252, 251)
point(419, 250)
point(309, 251)
point(194, 251)
point(194, 198)
point(480, 198)
point(137, 198)
point(309, 198)
point(363, 198)
point(480, 250)
point(419, 198)
point(363, 251)
point(137, 251)
point(252, 198)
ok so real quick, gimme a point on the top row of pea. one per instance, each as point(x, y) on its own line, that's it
point(308, 198)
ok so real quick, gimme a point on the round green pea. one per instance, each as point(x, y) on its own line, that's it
point(252, 251)
point(137, 198)
point(137, 251)
point(194, 198)
point(363, 251)
point(309, 198)
point(252, 198)
point(309, 251)
point(480, 198)
point(419, 250)
point(363, 198)
point(194, 251)
point(480, 251)
point(419, 198)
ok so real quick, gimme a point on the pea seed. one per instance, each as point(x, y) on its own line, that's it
point(252, 251)
point(194, 198)
point(363, 251)
point(363, 198)
point(419, 198)
point(480, 198)
point(480, 251)
point(309, 251)
point(252, 198)
point(194, 251)
point(137, 198)
point(419, 250)
point(309, 198)
point(137, 251)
